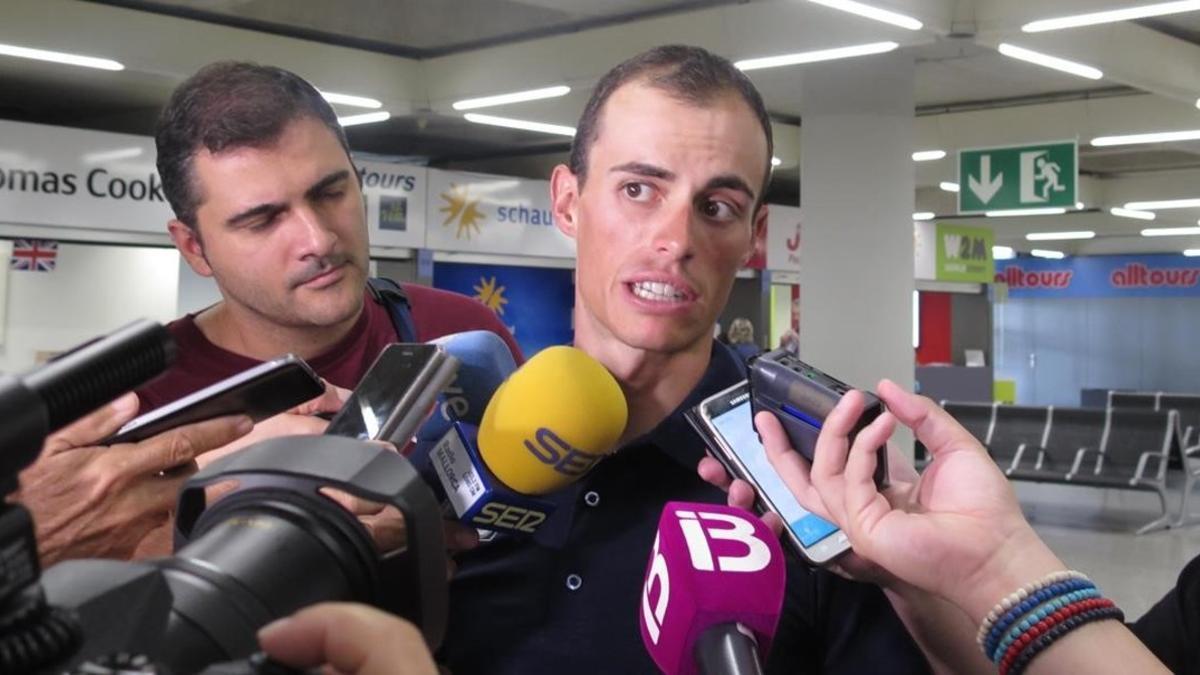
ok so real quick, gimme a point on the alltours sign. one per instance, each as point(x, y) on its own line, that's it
point(1101, 276)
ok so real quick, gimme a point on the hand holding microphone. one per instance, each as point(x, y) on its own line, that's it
point(545, 427)
point(714, 591)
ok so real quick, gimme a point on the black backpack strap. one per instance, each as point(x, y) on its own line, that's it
point(389, 294)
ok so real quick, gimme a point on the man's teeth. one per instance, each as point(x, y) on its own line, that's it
point(653, 290)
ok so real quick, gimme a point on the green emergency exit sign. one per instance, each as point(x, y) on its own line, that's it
point(1017, 177)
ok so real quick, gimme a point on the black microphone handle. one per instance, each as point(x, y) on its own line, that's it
point(724, 649)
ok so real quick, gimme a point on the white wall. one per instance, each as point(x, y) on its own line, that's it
point(93, 290)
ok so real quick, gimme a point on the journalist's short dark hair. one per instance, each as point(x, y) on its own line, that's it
point(226, 105)
point(690, 74)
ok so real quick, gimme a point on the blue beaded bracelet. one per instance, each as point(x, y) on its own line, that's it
point(1037, 614)
point(1036, 598)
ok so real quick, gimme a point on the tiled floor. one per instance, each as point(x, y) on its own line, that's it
point(1092, 530)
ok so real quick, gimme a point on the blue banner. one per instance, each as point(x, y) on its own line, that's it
point(534, 302)
point(1107, 276)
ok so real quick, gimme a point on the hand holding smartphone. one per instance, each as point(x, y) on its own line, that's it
point(724, 422)
point(260, 392)
point(395, 395)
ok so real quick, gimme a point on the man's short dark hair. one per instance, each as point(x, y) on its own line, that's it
point(226, 105)
point(689, 74)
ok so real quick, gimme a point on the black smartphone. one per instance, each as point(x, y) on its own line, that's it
point(802, 396)
point(396, 394)
point(724, 422)
point(259, 392)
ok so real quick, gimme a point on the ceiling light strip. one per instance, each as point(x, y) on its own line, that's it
point(1047, 61)
point(1170, 231)
point(1111, 16)
point(365, 118)
point(351, 100)
point(1163, 204)
point(515, 97)
point(874, 13)
point(1130, 213)
point(817, 55)
point(1049, 211)
point(60, 57)
point(1155, 137)
point(928, 155)
point(524, 125)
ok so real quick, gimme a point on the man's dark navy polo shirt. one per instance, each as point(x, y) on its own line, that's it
point(523, 607)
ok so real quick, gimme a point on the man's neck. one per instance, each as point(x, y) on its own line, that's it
point(654, 383)
point(244, 332)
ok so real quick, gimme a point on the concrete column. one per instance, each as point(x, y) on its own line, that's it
point(856, 193)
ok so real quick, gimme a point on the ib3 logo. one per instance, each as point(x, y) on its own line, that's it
point(699, 528)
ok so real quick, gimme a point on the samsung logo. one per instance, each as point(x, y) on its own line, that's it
point(739, 399)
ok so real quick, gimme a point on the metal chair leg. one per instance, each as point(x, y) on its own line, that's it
point(1162, 522)
point(1185, 517)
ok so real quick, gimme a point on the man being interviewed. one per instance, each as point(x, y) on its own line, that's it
point(664, 197)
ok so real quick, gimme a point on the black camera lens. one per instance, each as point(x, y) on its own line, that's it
point(223, 591)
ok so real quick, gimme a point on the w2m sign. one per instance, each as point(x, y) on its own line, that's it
point(964, 254)
point(1018, 177)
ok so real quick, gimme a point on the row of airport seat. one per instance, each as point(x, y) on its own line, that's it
point(1118, 447)
point(1188, 407)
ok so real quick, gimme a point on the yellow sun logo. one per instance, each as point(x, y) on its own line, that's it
point(491, 294)
point(460, 207)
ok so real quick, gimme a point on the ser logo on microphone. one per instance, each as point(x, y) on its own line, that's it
point(549, 448)
point(697, 535)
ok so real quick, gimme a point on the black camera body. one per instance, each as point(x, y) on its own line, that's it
point(802, 396)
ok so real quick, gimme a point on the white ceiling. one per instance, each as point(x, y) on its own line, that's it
point(418, 56)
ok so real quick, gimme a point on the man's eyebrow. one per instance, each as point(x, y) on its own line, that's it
point(730, 181)
point(643, 169)
point(253, 212)
point(320, 186)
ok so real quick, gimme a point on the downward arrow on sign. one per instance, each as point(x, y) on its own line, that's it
point(986, 188)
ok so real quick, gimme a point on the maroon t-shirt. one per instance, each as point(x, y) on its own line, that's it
point(435, 313)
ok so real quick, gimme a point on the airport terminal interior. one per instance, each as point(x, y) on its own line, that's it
point(990, 202)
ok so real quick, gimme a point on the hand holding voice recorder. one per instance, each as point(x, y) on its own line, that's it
point(802, 397)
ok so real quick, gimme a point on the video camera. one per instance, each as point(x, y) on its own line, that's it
point(272, 545)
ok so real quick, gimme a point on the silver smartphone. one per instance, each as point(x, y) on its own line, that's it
point(728, 430)
point(396, 394)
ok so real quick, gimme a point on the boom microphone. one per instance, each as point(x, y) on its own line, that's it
point(714, 591)
point(546, 426)
point(75, 383)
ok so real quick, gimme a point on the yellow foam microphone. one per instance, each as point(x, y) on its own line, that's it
point(551, 421)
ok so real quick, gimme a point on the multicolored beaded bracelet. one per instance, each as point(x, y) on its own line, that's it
point(1037, 614)
point(1035, 594)
point(1018, 596)
point(1045, 625)
point(1018, 665)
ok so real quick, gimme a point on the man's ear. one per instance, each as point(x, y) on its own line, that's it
point(190, 247)
point(758, 234)
point(564, 199)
